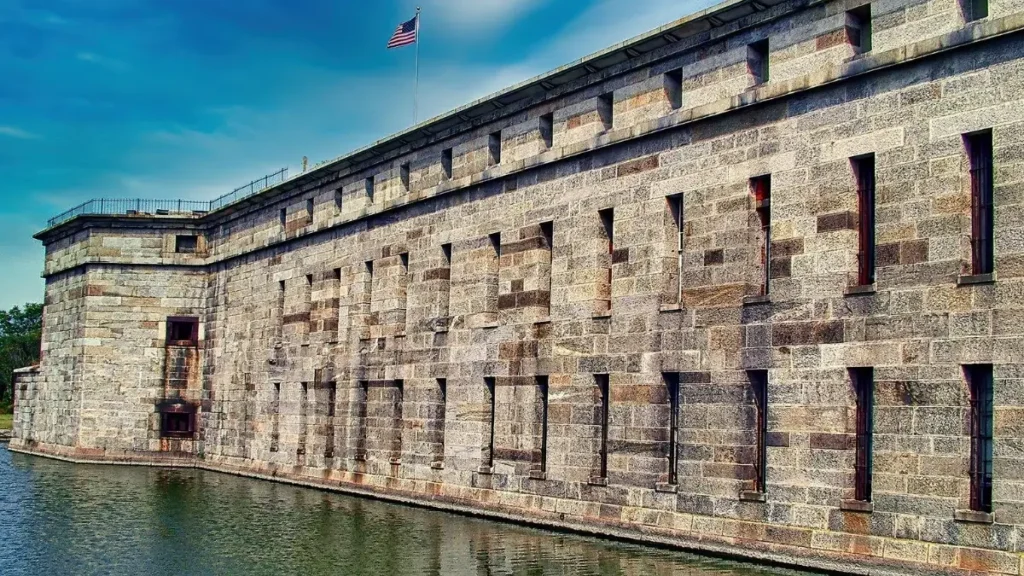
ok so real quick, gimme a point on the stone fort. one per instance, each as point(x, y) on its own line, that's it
point(751, 283)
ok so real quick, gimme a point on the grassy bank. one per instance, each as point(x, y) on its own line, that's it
point(6, 420)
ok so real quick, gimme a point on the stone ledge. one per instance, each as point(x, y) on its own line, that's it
point(437, 465)
point(601, 316)
point(485, 470)
point(538, 475)
point(974, 517)
point(671, 308)
point(489, 325)
point(756, 300)
point(862, 290)
point(598, 481)
point(666, 488)
point(395, 461)
point(752, 496)
point(975, 279)
point(856, 506)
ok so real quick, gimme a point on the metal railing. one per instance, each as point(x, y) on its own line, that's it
point(132, 207)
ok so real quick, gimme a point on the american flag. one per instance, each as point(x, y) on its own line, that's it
point(405, 34)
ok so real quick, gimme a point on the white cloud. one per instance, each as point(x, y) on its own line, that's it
point(480, 14)
point(102, 61)
point(15, 132)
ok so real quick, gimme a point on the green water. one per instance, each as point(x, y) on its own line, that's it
point(58, 518)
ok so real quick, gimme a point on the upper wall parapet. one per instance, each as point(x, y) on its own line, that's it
point(734, 55)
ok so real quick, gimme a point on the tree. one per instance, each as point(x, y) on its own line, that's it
point(20, 334)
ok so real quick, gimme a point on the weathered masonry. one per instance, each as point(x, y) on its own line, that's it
point(751, 283)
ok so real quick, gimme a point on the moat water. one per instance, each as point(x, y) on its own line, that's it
point(59, 518)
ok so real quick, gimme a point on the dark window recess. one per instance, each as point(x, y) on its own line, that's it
point(332, 398)
point(757, 61)
point(494, 149)
point(675, 207)
point(404, 259)
point(762, 190)
point(606, 110)
point(547, 230)
point(979, 147)
point(182, 331)
point(368, 186)
point(547, 130)
point(542, 391)
point(603, 388)
point(607, 217)
point(403, 174)
point(864, 389)
point(495, 239)
point(309, 211)
point(864, 169)
point(284, 216)
point(339, 200)
point(672, 388)
point(759, 388)
point(186, 244)
point(974, 9)
point(336, 274)
point(275, 418)
point(177, 419)
point(446, 162)
point(492, 400)
point(979, 380)
point(858, 27)
point(446, 252)
point(674, 88)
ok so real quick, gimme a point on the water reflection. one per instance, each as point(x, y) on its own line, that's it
point(58, 518)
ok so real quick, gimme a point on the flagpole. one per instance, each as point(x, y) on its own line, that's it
point(416, 90)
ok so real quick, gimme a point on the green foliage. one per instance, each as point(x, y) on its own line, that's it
point(20, 333)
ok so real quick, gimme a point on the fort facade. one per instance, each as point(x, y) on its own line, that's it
point(751, 283)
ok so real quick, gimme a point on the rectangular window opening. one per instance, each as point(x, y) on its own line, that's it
point(979, 380)
point(864, 169)
point(547, 130)
point(672, 388)
point(309, 211)
point(759, 388)
point(446, 163)
point(491, 400)
point(674, 88)
point(603, 388)
point(495, 239)
point(606, 110)
point(761, 187)
point(675, 207)
point(446, 252)
point(332, 399)
point(182, 331)
point(757, 61)
point(186, 244)
point(275, 411)
point(339, 202)
point(177, 420)
point(442, 390)
point(368, 187)
point(979, 149)
point(284, 216)
point(974, 9)
point(858, 28)
point(864, 389)
point(494, 148)
point(542, 392)
point(404, 259)
point(403, 173)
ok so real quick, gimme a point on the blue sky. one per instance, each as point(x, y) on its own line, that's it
point(191, 98)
